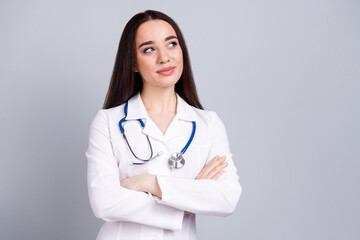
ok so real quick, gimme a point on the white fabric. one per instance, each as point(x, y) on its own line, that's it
point(136, 215)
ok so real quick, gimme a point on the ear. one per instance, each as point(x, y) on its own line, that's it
point(135, 69)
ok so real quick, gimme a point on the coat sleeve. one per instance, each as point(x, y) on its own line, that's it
point(206, 196)
point(112, 202)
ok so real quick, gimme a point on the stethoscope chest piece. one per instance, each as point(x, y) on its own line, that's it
point(176, 160)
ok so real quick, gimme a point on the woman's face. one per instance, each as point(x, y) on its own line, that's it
point(159, 56)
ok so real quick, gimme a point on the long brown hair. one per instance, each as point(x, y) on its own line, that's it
point(125, 83)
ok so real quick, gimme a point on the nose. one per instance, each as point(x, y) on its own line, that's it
point(163, 56)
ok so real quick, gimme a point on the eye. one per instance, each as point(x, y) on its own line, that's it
point(172, 44)
point(149, 49)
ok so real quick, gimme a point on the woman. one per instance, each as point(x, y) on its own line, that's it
point(153, 155)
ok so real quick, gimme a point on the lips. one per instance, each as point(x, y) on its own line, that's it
point(166, 71)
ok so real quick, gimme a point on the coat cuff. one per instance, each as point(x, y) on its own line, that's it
point(176, 218)
point(166, 198)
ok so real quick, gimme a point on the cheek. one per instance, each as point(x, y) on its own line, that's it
point(144, 65)
point(178, 56)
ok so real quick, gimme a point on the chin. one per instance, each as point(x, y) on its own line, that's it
point(163, 81)
point(169, 81)
point(168, 85)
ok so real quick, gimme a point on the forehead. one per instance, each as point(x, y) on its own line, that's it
point(154, 30)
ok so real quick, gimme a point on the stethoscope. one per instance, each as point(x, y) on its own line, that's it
point(176, 159)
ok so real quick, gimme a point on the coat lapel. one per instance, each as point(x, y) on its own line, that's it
point(136, 110)
point(152, 130)
point(173, 129)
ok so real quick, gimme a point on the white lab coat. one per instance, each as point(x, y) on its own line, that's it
point(136, 215)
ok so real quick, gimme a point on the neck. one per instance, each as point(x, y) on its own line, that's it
point(159, 100)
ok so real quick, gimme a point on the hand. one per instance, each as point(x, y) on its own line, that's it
point(135, 183)
point(213, 169)
point(143, 183)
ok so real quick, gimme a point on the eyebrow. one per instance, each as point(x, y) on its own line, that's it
point(152, 42)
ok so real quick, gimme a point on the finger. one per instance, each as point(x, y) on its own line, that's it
point(217, 169)
point(202, 174)
point(216, 161)
point(213, 161)
point(124, 183)
point(211, 167)
point(199, 176)
point(216, 176)
point(213, 164)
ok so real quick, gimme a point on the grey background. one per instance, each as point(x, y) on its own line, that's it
point(282, 75)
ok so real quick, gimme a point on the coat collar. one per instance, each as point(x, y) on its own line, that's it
point(136, 110)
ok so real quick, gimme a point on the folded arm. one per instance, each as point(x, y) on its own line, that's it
point(215, 191)
point(109, 200)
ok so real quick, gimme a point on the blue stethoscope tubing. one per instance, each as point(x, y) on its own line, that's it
point(171, 162)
